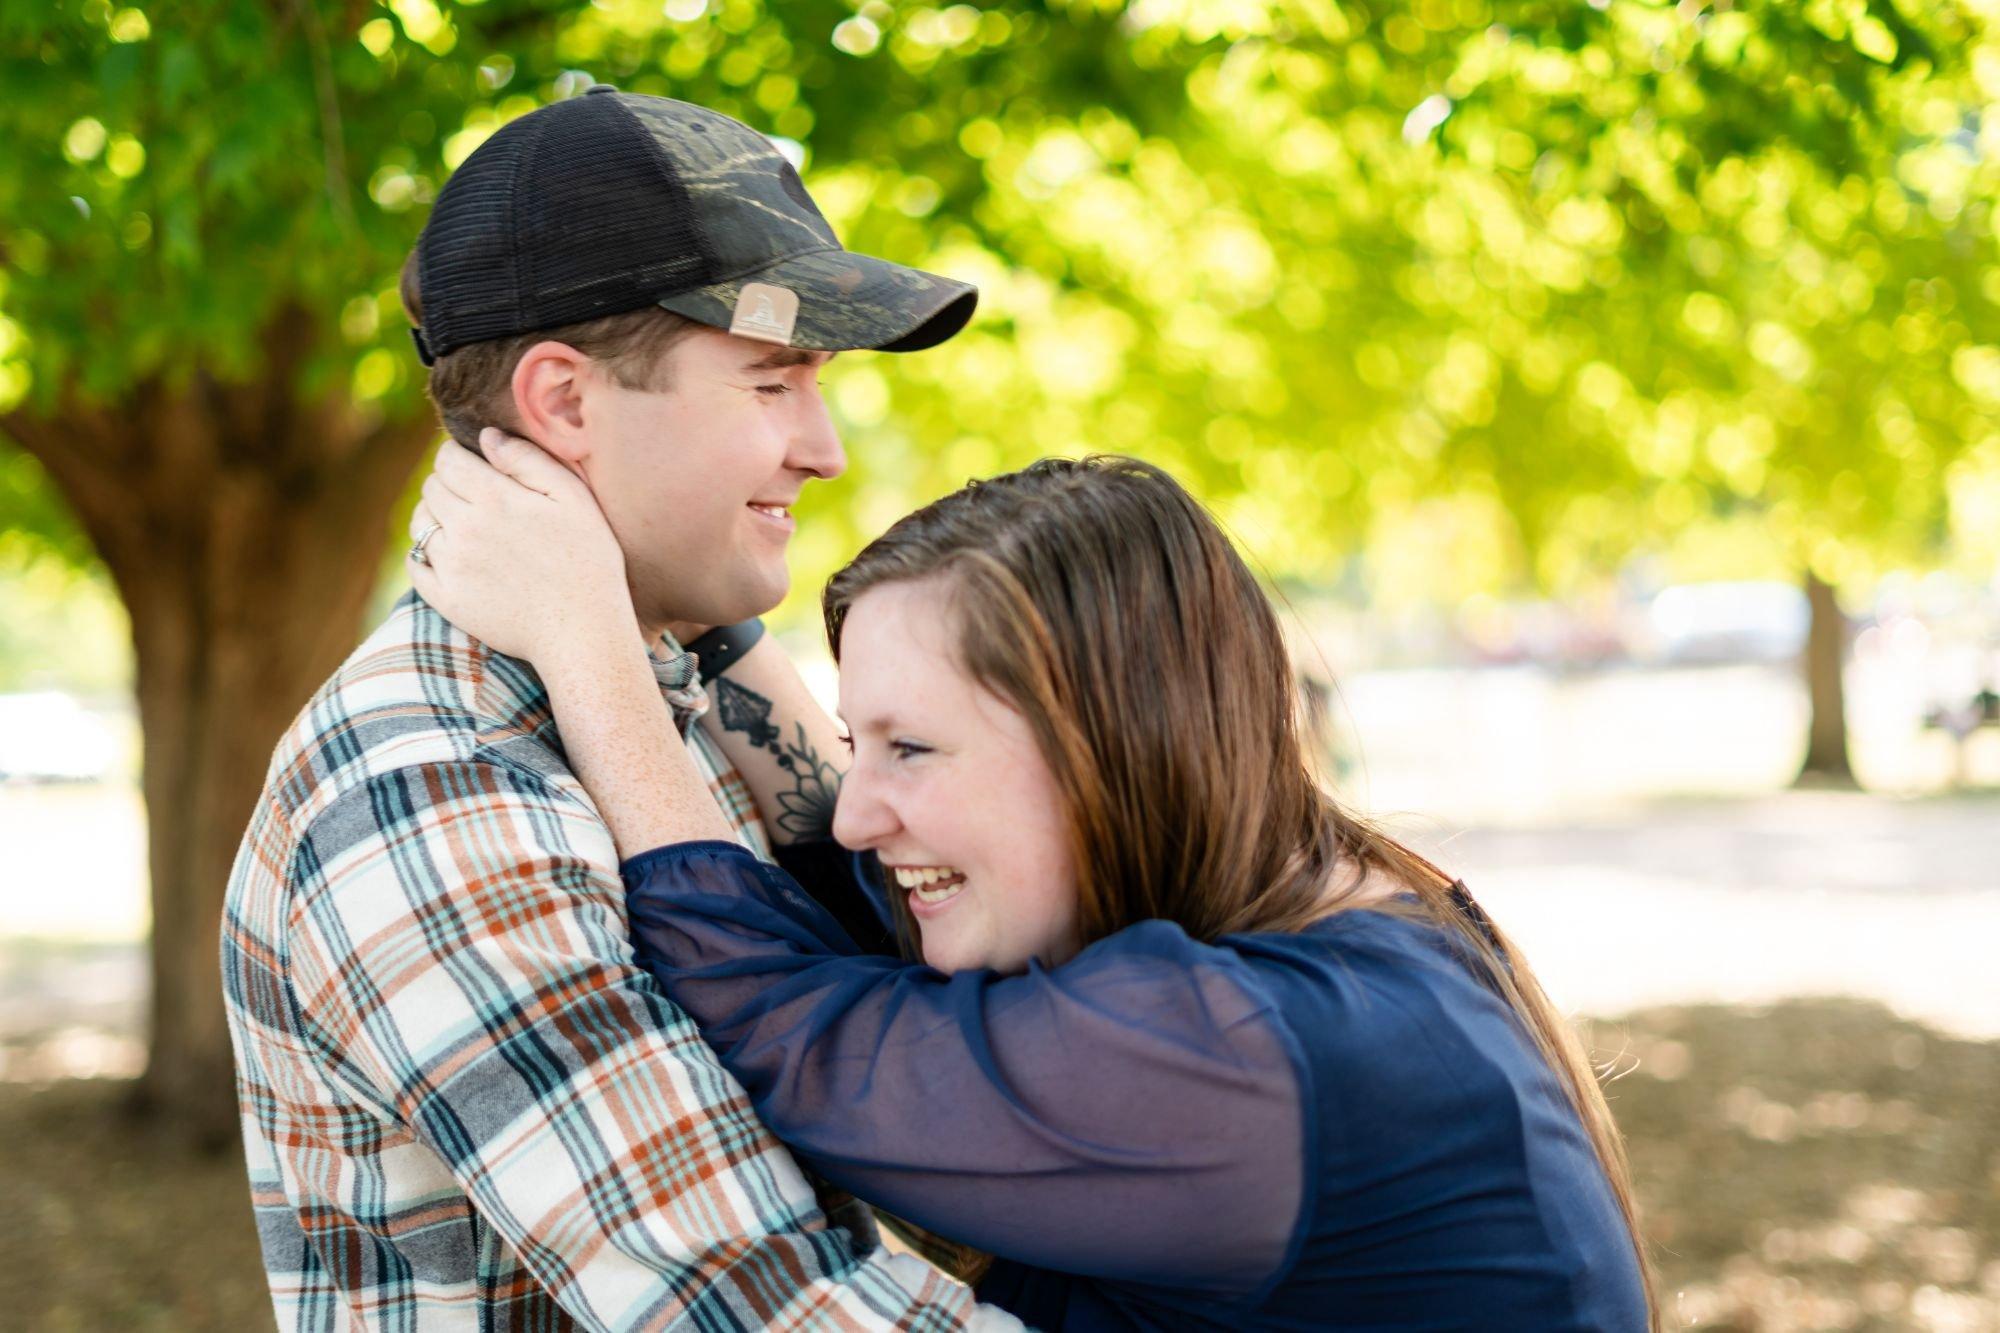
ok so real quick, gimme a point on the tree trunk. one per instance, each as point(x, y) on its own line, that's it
point(245, 531)
point(1826, 762)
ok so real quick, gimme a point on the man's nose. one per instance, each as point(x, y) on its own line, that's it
point(815, 442)
point(861, 820)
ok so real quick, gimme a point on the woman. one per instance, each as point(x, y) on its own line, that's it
point(1190, 1046)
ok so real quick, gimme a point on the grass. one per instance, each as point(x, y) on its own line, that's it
point(1817, 1165)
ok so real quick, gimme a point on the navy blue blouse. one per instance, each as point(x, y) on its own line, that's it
point(1339, 1128)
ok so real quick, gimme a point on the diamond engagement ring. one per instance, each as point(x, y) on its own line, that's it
point(417, 547)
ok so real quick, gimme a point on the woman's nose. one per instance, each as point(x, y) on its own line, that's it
point(861, 820)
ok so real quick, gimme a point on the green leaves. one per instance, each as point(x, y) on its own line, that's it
point(1618, 270)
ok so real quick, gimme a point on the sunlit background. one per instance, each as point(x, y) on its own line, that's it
point(1610, 391)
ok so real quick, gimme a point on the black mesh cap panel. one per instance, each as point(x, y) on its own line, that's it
point(465, 258)
point(604, 223)
point(564, 215)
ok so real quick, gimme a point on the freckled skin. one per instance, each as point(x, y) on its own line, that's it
point(976, 795)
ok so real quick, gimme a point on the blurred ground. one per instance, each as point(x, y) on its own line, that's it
point(1819, 1164)
point(105, 1226)
point(1816, 1165)
point(1808, 1066)
point(1753, 900)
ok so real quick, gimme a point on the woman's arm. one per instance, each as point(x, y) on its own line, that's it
point(619, 738)
point(1137, 1113)
point(789, 751)
point(569, 612)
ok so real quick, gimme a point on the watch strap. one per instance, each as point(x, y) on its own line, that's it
point(723, 647)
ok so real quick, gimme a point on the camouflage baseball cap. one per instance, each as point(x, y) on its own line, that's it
point(614, 201)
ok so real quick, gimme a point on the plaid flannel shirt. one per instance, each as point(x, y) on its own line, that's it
point(463, 1106)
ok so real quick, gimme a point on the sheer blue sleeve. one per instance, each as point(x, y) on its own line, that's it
point(1137, 1113)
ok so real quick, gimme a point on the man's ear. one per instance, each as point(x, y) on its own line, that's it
point(549, 398)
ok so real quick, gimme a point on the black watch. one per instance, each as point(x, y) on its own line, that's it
point(723, 647)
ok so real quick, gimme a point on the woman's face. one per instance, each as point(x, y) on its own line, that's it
point(949, 788)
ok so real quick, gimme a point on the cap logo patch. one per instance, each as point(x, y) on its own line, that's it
point(766, 313)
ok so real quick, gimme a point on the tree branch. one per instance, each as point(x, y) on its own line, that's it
point(333, 136)
point(76, 435)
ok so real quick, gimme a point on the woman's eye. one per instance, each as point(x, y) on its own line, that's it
point(907, 749)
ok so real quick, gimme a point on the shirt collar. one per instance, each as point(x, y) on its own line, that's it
point(510, 688)
point(674, 668)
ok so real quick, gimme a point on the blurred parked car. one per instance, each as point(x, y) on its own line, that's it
point(1697, 624)
point(51, 737)
point(1561, 636)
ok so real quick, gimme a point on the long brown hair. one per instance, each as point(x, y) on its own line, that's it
point(1100, 600)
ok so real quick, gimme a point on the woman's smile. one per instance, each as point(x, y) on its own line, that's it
point(930, 887)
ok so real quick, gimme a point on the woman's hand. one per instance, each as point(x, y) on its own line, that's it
point(521, 557)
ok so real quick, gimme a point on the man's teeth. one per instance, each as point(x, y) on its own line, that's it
point(775, 511)
point(930, 883)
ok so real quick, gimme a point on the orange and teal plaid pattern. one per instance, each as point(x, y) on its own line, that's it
point(463, 1105)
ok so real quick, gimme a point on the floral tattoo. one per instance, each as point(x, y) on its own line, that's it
point(805, 811)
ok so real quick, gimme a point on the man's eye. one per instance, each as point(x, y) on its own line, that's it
point(848, 741)
point(774, 390)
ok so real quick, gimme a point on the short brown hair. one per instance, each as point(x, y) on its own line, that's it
point(473, 387)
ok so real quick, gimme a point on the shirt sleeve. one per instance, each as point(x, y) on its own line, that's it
point(461, 965)
point(1136, 1113)
point(845, 884)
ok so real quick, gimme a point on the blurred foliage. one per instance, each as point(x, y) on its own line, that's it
point(60, 621)
point(1523, 284)
point(37, 522)
point(61, 627)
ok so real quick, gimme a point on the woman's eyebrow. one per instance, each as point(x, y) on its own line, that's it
point(873, 722)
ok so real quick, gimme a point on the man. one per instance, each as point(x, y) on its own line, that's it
point(462, 1104)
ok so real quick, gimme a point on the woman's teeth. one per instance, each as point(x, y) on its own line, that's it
point(931, 884)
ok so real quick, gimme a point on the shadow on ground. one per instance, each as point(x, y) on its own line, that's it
point(105, 1225)
point(1819, 1164)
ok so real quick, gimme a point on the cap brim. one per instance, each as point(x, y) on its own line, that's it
point(847, 302)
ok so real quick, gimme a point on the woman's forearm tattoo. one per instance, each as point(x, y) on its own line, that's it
point(805, 810)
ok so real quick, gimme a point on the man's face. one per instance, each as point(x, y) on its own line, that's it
point(698, 481)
